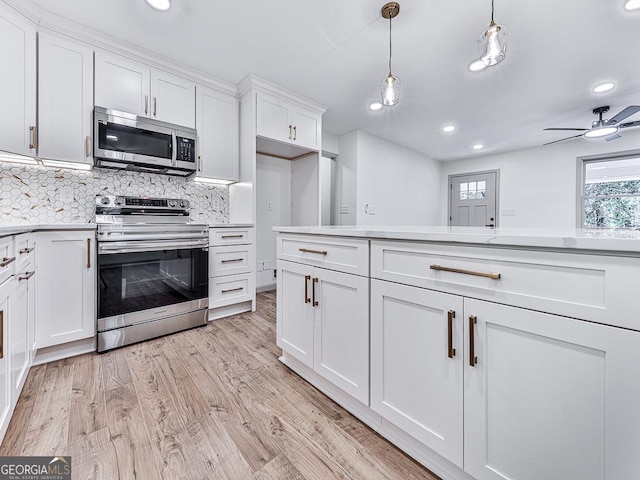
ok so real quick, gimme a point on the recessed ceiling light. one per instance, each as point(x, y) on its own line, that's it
point(603, 87)
point(375, 106)
point(477, 65)
point(632, 5)
point(162, 5)
point(478, 146)
point(448, 128)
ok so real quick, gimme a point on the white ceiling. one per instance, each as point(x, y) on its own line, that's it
point(336, 51)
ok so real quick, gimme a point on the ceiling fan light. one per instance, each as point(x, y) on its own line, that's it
point(493, 44)
point(161, 5)
point(632, 5)
point(599, 132)
point(390, 90)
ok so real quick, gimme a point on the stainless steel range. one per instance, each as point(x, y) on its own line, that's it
point(153, 269)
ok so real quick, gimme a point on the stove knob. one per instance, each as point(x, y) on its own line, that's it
point(105, 201)
point(172, 203)
point(184, 204)
point(119, 201)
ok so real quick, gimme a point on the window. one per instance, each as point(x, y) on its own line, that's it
point(611, 192)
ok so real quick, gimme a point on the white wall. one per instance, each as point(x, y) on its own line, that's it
point(273, 186)
point(401, 185)
point(330, 143)
point(346, 166)
point(539, 184)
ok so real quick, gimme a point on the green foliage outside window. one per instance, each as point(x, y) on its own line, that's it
point(612, 204)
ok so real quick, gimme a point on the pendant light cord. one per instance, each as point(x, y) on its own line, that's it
point(492, 11)
point(390, 45)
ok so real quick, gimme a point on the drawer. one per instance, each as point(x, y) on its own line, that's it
point(7, 258)
point(230, 289)
point(230, 236)
point(341, 254)
point(230, 260)
point(578, 285)
point(24, 245)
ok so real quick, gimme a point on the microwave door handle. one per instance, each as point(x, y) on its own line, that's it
point(174, 148)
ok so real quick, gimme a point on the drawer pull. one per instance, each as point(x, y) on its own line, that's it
point(6, 261)
point(494, 276)
point(26, 276)
point(307, 250)
point(232, 236)
point(25, 250)
point(306, 289)
point(313, 292)
point(473, 360)
point(232, 290)
point(451, 352)
point(232, 260)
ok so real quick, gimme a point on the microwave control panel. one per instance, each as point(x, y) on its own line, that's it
point(186, 149)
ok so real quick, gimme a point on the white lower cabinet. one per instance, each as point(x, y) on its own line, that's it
point(5, 372)
point(549, 397)
point(66, 279)
point(416, 364)
point(323, 321)
point(20, 353)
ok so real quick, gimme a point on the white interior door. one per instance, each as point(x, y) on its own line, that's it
point(472, 200)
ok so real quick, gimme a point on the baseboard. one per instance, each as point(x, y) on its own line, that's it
point(266, 288)
point(66, 350)
point(228, 310)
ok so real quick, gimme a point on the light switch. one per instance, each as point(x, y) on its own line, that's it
point(344, 209)
point(507, 212)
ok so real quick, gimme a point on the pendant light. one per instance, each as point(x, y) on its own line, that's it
point(390, 88)
point(492, 44)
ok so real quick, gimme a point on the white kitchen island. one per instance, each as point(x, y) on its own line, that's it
point(483, 353)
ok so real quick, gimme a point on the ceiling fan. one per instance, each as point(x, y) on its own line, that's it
point(602, 127)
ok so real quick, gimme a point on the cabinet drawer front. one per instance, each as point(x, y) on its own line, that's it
point(7, 258)
point(229, 290)
point(230, 260)
point(583, 286)
point(342, 255)
point(230, 236)
point(24, 246)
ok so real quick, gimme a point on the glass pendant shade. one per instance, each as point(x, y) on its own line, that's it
point(493, 44)
point(390, 90)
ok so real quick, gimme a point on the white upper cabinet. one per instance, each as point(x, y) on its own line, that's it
point(17, 84)
point(65, 99)
point(218, 143)
point(283, 120)
point(129, 86)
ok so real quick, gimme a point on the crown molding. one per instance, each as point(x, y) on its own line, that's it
point(253, 82)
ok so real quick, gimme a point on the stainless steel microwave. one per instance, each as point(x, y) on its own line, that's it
point(129, 142)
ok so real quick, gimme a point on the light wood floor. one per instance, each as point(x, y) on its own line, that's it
point(208, 403)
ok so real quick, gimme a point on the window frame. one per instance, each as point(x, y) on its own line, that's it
point(582, 169)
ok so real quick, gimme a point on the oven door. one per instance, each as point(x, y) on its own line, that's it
point(140, 281)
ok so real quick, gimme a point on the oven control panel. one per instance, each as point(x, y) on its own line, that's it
point(110, 202)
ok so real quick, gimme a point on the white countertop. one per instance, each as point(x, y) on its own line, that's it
point(16, 228)
point(558, 238)
point(231, 225)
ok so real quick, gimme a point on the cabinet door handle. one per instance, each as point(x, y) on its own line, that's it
point(306, 250)
point(88, 253)
point(315, 303)
point(232, 290)
point(494, 276)
point(26, 276)
point(1, 334)
point(25, 250)
point(232, 236)
point(33, 137)
point(295, 132)
point(473, 360)
point(306, 289)
point(231, 260)
point(155, 106)
point(451, 352)
point(199, 163)
point(146, 104)
point(6, 261)
point(290, 128)
point(87, 146)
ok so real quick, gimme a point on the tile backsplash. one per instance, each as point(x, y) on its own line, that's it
point(31, 194)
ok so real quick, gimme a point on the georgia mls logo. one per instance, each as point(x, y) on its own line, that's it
point(35, 468)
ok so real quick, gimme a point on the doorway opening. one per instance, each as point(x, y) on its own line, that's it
point(473, 199)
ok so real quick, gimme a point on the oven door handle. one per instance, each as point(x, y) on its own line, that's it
point(106, 248)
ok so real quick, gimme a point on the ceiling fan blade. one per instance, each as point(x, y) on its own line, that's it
point(563, 139)
point(627, 112)
point(576, 129)
point(613, 136)
point(630, 124)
